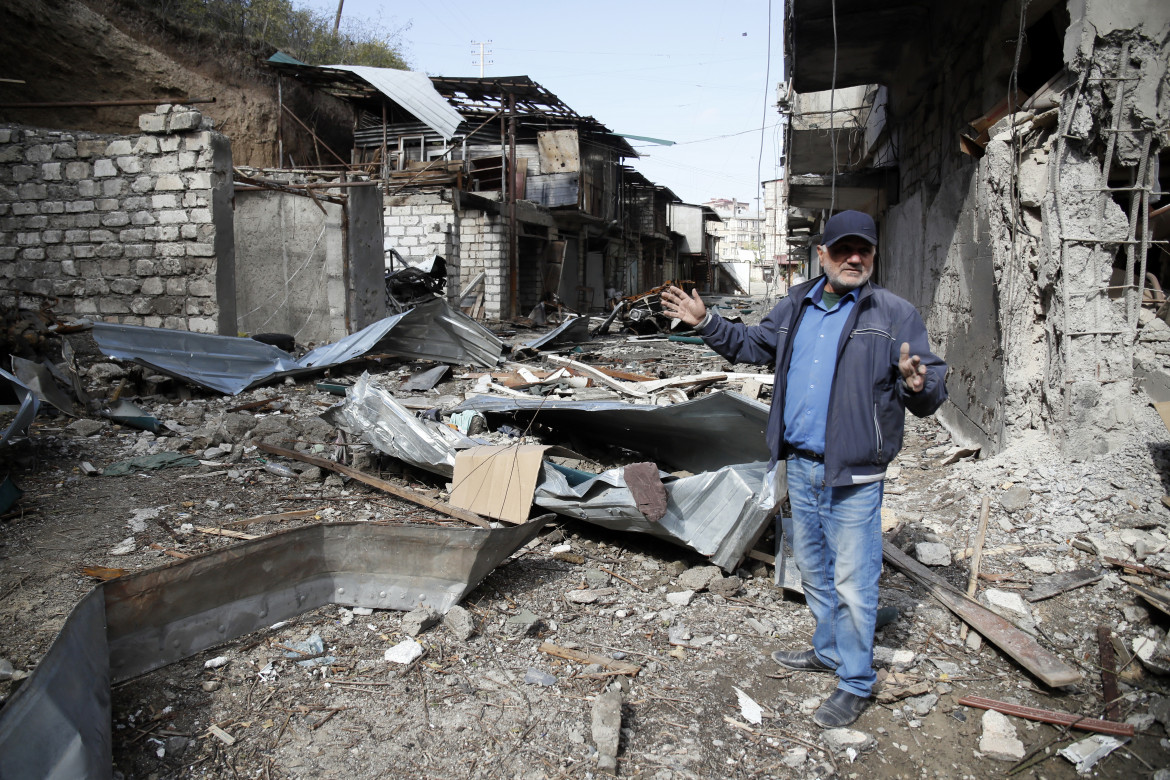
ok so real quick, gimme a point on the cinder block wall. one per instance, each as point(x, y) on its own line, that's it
point(484, 245)
point(128, 229)
point(421, 226)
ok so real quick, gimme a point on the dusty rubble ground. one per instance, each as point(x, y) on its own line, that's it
point(492, 704)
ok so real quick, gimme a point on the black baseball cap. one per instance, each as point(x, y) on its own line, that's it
point(849, 223)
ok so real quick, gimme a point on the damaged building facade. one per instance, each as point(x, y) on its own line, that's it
point(1017, 177)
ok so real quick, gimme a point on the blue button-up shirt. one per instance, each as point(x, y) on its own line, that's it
point(811, 370)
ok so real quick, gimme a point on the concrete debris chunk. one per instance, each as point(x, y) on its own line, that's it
point(540, 677)
point(523, 622)
point(842, 740)
point(932, 554)
point(895, 659)
point(1087, 752)
point(85, 427)
point(419, 620)
point(680, 598)
point(125, 547)
point(607, 725)
point(589, 596)
point(404, 652)
point(698, 578)
point(1015, 498)
point(751, 711)
point(999, 739)
point(725, 586)
point(1008, 604)
point(460, 623)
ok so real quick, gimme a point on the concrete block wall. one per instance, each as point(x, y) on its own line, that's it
point(129, 229)
point(421, 226)
point(483, 242)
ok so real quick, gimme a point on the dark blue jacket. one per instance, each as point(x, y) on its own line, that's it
point(868, 401)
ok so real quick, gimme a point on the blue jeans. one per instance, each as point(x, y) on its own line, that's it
point(837, 543)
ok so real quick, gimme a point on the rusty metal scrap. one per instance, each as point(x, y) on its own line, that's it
point(1050, 716)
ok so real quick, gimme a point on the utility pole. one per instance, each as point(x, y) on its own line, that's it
point(483, 54)
point(337, 19)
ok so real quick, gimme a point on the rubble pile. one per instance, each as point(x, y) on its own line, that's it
point(590, 650)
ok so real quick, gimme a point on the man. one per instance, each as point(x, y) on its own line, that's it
point(851, 358)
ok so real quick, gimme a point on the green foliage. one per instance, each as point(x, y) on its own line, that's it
point(301, 32)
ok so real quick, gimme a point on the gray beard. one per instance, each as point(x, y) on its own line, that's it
point(840, 286)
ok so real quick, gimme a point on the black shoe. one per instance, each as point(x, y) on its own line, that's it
point(840, 709)
point(805, 661)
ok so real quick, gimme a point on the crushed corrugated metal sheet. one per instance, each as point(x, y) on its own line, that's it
point(57, 725)
point(38, 377)
point(413, 91)
point(572, 331)
point(231, 364)
point(29, 406)
point(718, 513)
point(716, 430)
point(373, 413)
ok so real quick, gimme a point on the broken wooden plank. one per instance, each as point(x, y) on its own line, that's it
point(1059, 583)
point(278, 517)
point(1019, 645)
point(598, 376)
point(977, 557)
point(1158, 597)
point(1137, 567)
point(405, 494)
point(620, 667)
point(1108, 673)
point(204, 529)
point(1050, 716)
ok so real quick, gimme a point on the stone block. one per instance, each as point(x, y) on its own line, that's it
point(29, 191)
point(192, 199)
point(103, 167)
point(130, 164)
point(116, 219)
point(201, 288)
point(187, 160)
point(202, 325)
point(174, 323)
point(24, 209)
point(78, 206)
point(168, 182)
point(147, 144)
point(98, 236)
point(152, 321)
point(69, 267)
point(200, 250)
point(91, 147)
point(197, 142)
point(113, 306)
point(119, 147)
point(152, 285)
point(38, 153)
point(152, 123)
point(166, 164)
point(199, 181)
point(169, 266)
point(107, 204)
point(171, 249)
point(176, 285)
point(110, 250)
point(53, 236)
point(82, 251)
point(5, 135)
point(51, 171)
point(169, 144)
point(64, 151)
point(87, 188)
point(65, 288)
point(172, 216)
point(200, 215)
point(189, 231)
point(23, 172)
point(76, 236)
point(112, 187)
point(142, 184)
point(139, 251)
point(142, 218)
point(28, 238)
point(88, 220)
point(124, 286)
point(142, 306)
point(11, 154)
point(33, 253)
point(58, 253)
point(52, 207)
point(164, 201)
point(131, 235)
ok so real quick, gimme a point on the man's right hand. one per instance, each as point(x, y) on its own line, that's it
point(677, 304)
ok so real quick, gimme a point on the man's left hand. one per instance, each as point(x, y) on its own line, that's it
point(913, 372)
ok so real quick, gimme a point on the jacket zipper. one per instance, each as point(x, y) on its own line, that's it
point(877, 429)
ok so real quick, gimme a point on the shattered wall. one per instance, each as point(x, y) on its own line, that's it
point(1009, 256)
point(421, 226)
point(130, 229)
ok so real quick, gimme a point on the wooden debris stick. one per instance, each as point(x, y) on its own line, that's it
point(253, 405)
point(203, 529)
point(625, 376)
point(756, 555)
point(404, 493)
point(977, 558)
point(1043, 663)
point(598, 376)
point(623, 579)
point(1008, 548)
point(1059, 583)
point(221, 735)
point(1109, 673)
point(1158, 597)
point(1050, 716)
point(279, 517)
point(1137, 567)
point(621, 667)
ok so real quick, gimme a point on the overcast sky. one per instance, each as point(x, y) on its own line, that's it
point(690, 72)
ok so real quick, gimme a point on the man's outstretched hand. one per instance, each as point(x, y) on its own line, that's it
point(913, 372)
point(688, 308)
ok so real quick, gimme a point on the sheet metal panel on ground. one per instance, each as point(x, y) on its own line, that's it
point(57, 725)
point(230, 364)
